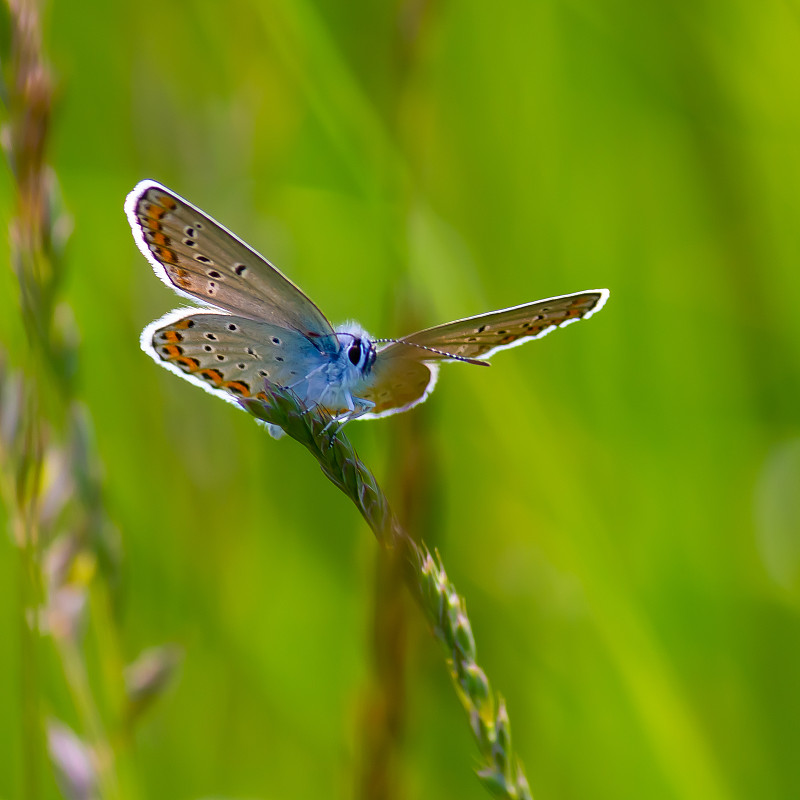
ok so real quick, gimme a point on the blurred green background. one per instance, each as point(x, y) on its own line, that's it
point(618, 502)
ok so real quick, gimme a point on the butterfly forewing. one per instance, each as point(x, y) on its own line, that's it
point(228, 355)
point(482, 336)
point(200, 258)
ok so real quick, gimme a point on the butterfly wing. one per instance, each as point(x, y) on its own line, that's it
point(399, 380)
point(228, 355)
point(482, 336)
point(201, 259)
point(405, 372)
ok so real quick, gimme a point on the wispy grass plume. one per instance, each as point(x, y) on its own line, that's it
point(500, 770)
point(50, 475)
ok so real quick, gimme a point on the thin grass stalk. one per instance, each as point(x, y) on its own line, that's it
point(500, 771)
point(24, 442)
point(50, 476)
point(409, 444)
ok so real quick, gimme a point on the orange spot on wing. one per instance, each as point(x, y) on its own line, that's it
point(334, 410)
point(172, 336)
point(190, 364)
point(159, 238)
point(166, 255)
point(183, 324)
point(238, 387)
point(180, 276)
point(212, 375)
point(168, 203)
point(172, 351)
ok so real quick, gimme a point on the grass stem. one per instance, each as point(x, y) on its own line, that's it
point(500, 770)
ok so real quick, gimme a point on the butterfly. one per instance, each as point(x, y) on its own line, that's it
point(257, 327)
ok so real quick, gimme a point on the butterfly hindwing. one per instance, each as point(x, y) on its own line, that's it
point(397, 383)
point(228, 355)
point(201, 259)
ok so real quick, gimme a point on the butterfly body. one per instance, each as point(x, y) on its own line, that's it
point(334, 385)
point(256, 326)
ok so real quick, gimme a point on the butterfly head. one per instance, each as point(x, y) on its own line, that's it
point(357, 348)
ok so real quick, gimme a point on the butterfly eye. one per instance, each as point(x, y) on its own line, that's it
point(354, 353)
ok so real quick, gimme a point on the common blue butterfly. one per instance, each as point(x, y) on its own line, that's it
point(256, 325)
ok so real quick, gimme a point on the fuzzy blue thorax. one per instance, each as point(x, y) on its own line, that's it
point(331, 384)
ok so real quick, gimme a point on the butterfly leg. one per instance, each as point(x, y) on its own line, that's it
point(356, 406)
point(361, 407)
point(339, 420)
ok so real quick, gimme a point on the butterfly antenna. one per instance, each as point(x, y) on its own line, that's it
point(444, 353)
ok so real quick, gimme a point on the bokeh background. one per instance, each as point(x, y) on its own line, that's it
point(618, 502)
